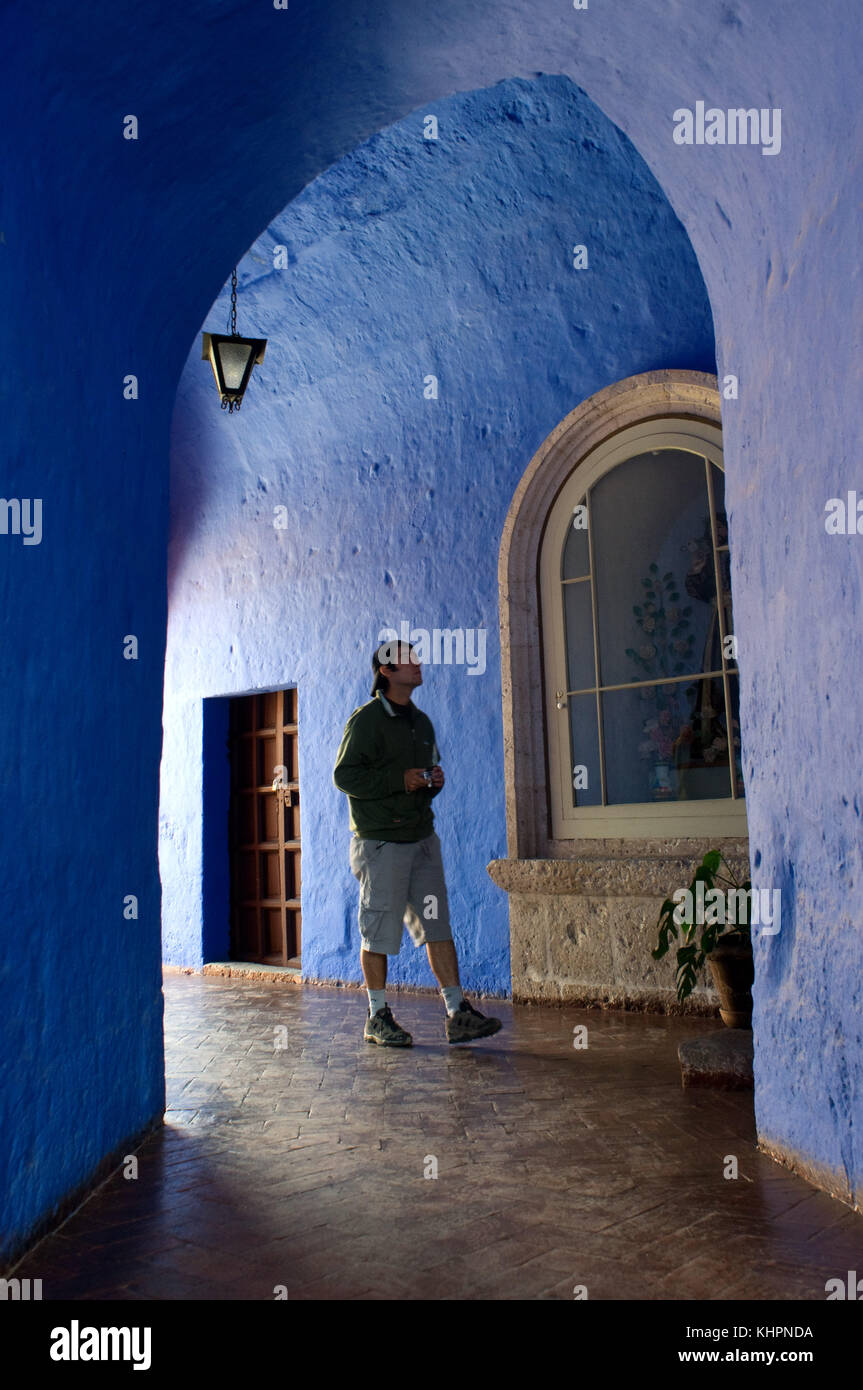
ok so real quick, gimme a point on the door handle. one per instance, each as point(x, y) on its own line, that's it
point(283, 793)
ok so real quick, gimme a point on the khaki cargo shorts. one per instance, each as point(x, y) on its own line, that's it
point(401, 885)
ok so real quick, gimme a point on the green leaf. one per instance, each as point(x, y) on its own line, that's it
point(654, 569)
point(686, 971)
point(708, 936)
point(667, 927)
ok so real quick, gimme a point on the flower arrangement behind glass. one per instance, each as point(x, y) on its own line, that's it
point(667, 650)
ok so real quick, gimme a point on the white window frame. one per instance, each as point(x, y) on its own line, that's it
point(717, 818)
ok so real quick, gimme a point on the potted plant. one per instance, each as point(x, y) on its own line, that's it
point(727, 952)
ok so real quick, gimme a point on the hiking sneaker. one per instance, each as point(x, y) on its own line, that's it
point(384, 1030)
point(468, 1023)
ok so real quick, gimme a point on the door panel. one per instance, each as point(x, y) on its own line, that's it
point(264, 829)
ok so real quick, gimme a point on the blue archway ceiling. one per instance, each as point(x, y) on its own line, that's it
point(111, 253)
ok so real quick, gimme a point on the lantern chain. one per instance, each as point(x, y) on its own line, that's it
point(234, 302)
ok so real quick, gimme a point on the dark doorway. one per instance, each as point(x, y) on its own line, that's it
point(264, 829)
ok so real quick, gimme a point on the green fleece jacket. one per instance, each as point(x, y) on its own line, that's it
point(377, 748)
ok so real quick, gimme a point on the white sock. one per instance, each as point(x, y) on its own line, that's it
point(377, 1000)
point(452, 997)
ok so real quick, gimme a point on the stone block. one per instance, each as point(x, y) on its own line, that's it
point(722, 1059)
point(594, 949)
point(528, 939)
point(579, 945)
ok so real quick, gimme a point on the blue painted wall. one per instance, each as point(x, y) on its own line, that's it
point(409, 257)
point(111, 253)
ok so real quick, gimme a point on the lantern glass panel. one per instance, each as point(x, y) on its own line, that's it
point(234, 358)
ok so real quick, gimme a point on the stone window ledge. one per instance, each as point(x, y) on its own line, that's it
point(645, 871)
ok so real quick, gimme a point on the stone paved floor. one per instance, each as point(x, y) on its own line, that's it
point(556, 1167)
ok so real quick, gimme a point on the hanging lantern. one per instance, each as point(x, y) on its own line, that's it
point(232, 357)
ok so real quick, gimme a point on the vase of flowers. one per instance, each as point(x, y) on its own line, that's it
point(662, 784)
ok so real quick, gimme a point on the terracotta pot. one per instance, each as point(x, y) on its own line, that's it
point(733, 971)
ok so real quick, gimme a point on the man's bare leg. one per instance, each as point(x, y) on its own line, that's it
point(464, 1023)
point(444, 963)
point(380, 1025)
point(374, 966)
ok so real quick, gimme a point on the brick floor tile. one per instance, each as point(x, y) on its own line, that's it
point(556, 1166)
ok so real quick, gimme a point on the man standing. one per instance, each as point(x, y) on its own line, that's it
point(387, 765)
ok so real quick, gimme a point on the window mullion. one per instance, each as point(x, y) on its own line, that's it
point(599, 730)
point(638, 685)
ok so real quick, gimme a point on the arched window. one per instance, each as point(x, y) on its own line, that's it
point(641, 675)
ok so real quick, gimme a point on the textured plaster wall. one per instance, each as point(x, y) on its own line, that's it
point(111, 253)
point(410, 256)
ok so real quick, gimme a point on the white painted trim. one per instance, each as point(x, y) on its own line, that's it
point(714, 817)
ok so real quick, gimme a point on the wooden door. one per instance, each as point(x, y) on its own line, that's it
point(264, 829)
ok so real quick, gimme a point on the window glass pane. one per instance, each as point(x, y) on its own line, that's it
point(666, 743)
point(718, 478)
point(651, 529)
point(701, 750)
point(584, 745)
point(701, 586)
point(576, 550)
point(730, 658)
point(633, 752)
point(578, 617)
point(734, 692)
point(724, 564)
point(701, 582)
